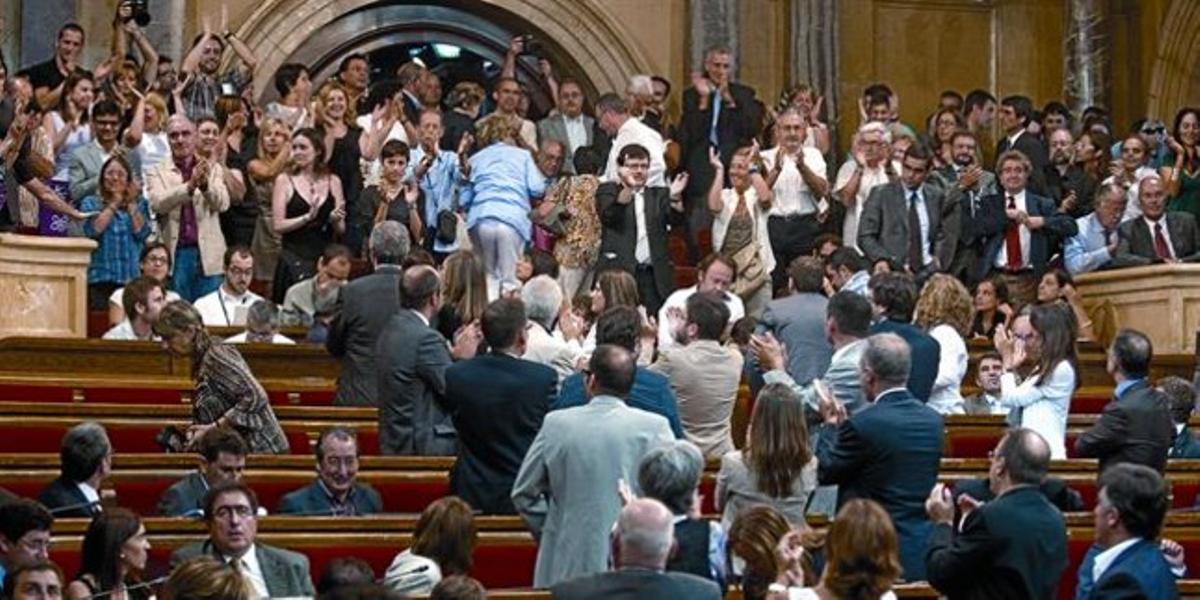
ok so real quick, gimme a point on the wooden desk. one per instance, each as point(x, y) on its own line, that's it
point(1163, 301)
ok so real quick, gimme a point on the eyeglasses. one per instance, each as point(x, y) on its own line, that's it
point(36, 545)
point(158, 260)
point(1154, 130)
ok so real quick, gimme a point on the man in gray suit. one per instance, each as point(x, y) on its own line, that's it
point(365, 305)
point(569, 125)
point(413, 358)
point(910, 220)
point(85, 162)
point(798, 321)
point(230, 509)
point(847, 322)
point(566, 489)
point(222, 458)
point(1157, 236)
point(644, 542)
point(966, 184)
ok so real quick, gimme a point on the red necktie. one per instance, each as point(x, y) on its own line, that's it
point(1160, 243)
point(1012, 240)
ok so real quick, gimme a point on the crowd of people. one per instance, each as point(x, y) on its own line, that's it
point(522, 313)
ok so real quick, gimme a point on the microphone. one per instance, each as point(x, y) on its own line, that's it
point(136, 586)
point(71, 507)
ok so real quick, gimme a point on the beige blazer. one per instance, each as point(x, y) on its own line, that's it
point(168, 192)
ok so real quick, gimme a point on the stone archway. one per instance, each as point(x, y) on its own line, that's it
point(582, 29)
point(1175, 81)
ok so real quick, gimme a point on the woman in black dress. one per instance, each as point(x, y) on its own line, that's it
point(344, 143)
point(307, 211)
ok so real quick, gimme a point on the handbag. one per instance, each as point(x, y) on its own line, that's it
point(751, 273)
point(447, 226)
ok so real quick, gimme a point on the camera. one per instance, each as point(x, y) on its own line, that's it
point(171, 439)
point(532, 46)
point(140, 11)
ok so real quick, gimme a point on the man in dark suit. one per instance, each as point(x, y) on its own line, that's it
point(720, 114)
point(497, 402)
point(222, 458)
point(1182, 398)
point(1136, 426)
point(413, 420)
point(365, 305)
point(966, 184)
point(888, 452)
point(1015, 113)
point(622, 326)
point(86, 460)
point(231, 509)
point(1157, 236)
point(645, 539)
point(336, 492)
point(1014, 546)
point(893, 298)
point(636, 219)
point(569, 125)
point(1022, 230)
point(910, 220)
point(1127, 561)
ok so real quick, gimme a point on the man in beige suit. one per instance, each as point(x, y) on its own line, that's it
point(187, 196)
point(703, 373)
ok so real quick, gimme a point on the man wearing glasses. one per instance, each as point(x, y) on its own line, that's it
point(84, 164)
point(229, 304)
point(230, 509)
point(336, 492)
point(24, 535)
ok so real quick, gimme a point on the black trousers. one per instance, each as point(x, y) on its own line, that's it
point(647, 287)
point(791, 237)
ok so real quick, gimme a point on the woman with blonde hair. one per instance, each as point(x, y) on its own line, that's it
point(776, 468)
point(149, 143)
point(204, 578)
point(443, 542)
point(270, 160)
point(226, 392)
point(464, 292)
point(497, 199)
point(345, 146)
point(944, 312)
point(861, 557)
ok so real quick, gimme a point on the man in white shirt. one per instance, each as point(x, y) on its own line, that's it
point(716, 274)
point(796, 176)
point(262, 326)
point(229, 304)
point(1096, 243)
point(615, 120)
point(142, 299)
point(570, 126)
point(230, 510)
point(560, 348)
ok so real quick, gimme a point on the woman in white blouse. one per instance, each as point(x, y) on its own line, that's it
point(740, 224)
point(1046, 337)
point(944, 311)
point(870, 166)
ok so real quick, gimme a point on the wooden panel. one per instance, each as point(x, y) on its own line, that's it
point(922, 48)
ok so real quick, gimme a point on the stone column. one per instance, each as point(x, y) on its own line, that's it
point(166, 28)
point(1085, 54)
point(39, 23)
point(814, 53)
point(713, 22)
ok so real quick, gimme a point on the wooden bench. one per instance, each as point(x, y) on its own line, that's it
point(505, 554)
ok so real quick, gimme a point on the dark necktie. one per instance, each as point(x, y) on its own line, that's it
point(1012, 240)
point(1108, 233)
point(1160, 243)
point(916, 255)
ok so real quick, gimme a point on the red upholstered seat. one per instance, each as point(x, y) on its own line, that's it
point(24, 393)
point(1088, 404)
point(125, 437)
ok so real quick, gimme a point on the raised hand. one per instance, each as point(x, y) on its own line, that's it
point(701, 83)
point(714, 160)
point(940, 505)
point(411, 192)
point(678, 184)
point(768, 350)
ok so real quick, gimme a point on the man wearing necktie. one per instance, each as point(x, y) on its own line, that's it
point(965, 183)
point(636, 218)
point(231, 512)
point(1157, 236)
point(910, 221)
point(1023, 230)
point(720, 114)
point(1095, 245)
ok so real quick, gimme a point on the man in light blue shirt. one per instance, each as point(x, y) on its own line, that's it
point(438, 173)
point(1096, 243)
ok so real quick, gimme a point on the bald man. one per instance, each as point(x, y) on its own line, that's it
point(644, 541)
